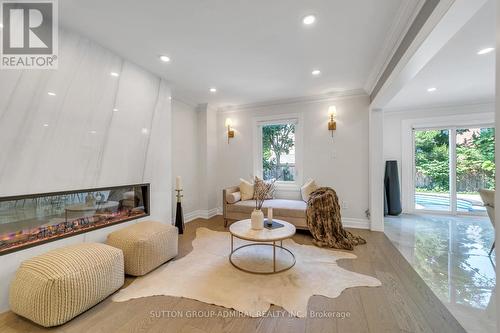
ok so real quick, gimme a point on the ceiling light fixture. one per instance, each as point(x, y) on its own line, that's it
point(309, 19)
point(1, 25)
point(45, 125)
point(144, 130)
point(165, 58)
point(93, 132)
point(486, 50)
point(115, 110)
point(213, 90)
point(316, 72)
point(50, 93)
point(432, 89)
point(115, 74)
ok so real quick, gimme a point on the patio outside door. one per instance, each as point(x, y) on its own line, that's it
point(450, 166)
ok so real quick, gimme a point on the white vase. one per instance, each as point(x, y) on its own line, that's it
point(257, 218)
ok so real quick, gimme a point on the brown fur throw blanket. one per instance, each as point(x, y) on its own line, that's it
point(324, 221)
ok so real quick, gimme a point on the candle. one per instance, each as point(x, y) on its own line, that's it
point(178, 183)
point(270, 214)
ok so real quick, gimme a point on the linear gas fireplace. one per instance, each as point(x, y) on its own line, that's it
point(33, 219)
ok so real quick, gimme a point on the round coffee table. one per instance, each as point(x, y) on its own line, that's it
point(242, 230)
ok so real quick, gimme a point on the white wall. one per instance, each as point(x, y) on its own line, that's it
point(186, 155)
point(341, 163)
point(210, 160)
point(66, 155)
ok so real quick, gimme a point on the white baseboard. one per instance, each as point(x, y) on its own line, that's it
point(201, 214)
point(206, 214)
point(355, 223)
point(188, 217)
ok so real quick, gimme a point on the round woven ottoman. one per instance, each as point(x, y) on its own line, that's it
point(145, 245)
point(54, 287)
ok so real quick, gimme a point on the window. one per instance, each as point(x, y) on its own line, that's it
point(277, 148)
point(278, 151)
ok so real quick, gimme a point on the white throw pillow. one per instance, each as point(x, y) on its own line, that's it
point(232, 198)
point(246, 190)
point(308, 188)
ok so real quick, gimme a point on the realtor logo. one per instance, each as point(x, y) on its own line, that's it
point(29, 34)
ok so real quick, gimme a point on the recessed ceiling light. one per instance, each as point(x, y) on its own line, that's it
point(50, 93)
point(309, 19)
point(486, 50)
point(1, 25)
point(165, 58)
point(45, 125)
point(213, 90)
point(432, 89)
point(115, 74)
point(115, 110)
point(316, 72)
point(93, 132)
point(144, 130)
point(169, 98)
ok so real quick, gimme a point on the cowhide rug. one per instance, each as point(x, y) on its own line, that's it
point(206, 275)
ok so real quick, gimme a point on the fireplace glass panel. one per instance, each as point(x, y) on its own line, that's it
point(33, 219)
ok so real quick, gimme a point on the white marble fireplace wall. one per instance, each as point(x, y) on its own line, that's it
point(75, 140)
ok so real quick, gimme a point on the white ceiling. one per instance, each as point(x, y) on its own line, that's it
point(252, 51)
point(458, 73)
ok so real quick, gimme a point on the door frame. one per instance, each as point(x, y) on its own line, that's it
point(408, 126)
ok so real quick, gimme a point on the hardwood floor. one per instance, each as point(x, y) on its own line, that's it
point(403, 303)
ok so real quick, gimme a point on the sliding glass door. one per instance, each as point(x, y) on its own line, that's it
point(432, 170)
point(450, 166)
point(475, 167)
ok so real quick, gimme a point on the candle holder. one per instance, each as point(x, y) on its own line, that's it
point(179, 217)
point(269, 220)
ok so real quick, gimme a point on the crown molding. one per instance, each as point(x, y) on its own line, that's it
point(464, 106)
point(407, 12)
point(185, 101)
point(297, 100)
point(190, 104)
point(205, 107)
point(194, 105)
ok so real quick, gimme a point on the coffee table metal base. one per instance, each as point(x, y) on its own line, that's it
point(274, 271)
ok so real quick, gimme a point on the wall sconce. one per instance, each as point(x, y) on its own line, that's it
point(230, 132)
point(332, 114)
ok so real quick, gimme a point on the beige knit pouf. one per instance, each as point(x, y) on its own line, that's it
point(145, 245)
point(54, 287)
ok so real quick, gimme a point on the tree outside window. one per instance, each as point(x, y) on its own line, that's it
point(475, 160)
point(278, 152)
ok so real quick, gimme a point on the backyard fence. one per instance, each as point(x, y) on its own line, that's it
point(465, 183)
